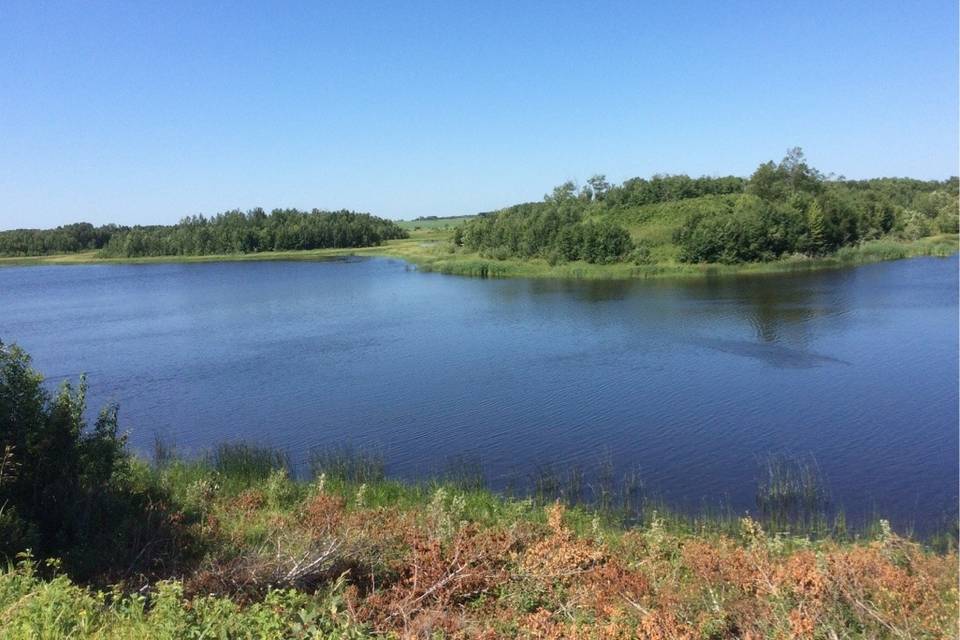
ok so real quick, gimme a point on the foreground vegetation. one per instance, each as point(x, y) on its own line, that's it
point(230, 545)
point(274, 559)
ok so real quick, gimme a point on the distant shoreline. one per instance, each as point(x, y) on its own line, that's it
point(429, 251)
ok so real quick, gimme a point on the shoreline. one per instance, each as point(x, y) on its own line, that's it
point(427, 253)
point(246, 551)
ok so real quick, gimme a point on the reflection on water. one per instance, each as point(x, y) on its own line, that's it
point(690, 380)
point(768, 351)
point(581, 290)
point(778, 308)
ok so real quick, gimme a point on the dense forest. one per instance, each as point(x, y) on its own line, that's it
point(784, 208)
point(229, 232)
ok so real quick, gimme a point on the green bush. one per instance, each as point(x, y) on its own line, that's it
point(555, 230)
point(57, 608)
point(641, 254)
point(753, 230)
point(69, 490)
point(792, 208)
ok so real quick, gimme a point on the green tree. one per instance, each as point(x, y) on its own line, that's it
point(768, 182)
point(562, 193)
point(817, 228)
point(599, 186)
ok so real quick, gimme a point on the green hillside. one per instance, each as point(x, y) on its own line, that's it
point(656, 224)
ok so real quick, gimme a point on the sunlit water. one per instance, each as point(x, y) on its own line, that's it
point(692, 381)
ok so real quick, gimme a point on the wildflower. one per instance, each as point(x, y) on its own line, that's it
point(361, 494)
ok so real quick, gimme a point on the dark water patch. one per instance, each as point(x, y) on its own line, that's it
point(772, 354)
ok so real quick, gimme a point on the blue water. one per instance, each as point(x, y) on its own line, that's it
point(692, 381)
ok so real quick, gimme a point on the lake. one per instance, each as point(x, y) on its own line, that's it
point(692, 382)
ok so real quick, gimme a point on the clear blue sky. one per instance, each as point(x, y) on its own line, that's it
point(138, 112)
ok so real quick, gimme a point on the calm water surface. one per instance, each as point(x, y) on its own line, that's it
point(691, 381)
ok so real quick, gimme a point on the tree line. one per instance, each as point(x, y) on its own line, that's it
point(570, 224)
point(783, 208)
point(70, 238)
point(229, 232)
point(791, 208)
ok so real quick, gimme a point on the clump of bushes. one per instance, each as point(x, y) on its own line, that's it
point(783, 209)
point(555, 230)
point(791, 208)
point(70, 490)
point(37, 607)
point(752, 230)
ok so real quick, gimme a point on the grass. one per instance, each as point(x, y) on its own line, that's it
point(793, 495)
point(435, 224)
point(349, 553)
point(32, 607)
point(246, 464)
point(347, 464)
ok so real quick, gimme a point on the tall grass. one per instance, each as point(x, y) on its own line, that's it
point(464, 472)
point(792, 494)
point(347, 464)
point(245, 464)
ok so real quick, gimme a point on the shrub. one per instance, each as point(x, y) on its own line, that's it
point(754, 229)
point(640, 254)
point(68, 490)
point(555, 230)
point(58, 608)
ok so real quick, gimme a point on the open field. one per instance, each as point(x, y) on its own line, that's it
point(433, 224)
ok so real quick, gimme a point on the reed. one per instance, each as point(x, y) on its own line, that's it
point(347, 464)
point(792, 494)
point(244, 464)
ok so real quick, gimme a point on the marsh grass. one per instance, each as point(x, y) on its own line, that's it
point(347, 464)
point(463, 472)
point(164, 451)
point(792, 494)
point(244, 464)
